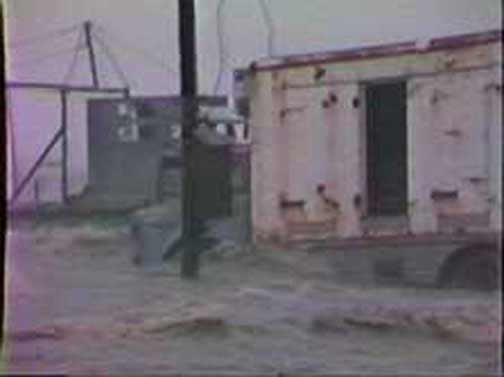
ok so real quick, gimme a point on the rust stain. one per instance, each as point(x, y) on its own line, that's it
point(454, 133)
point(319, 73)
point(493, 86)
point(288, 110)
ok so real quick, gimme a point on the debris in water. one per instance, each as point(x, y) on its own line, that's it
point(332, 324)
point(49, 332)
point(370, 322)
point(189, 325)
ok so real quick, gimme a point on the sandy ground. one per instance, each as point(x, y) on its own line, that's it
point(76, 304)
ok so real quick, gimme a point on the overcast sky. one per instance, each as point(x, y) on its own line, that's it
point(142, 35)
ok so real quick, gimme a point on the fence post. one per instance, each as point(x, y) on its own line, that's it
point(92, 61)
point(64, 146)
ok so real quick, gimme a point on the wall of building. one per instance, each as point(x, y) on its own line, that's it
point(308, 134)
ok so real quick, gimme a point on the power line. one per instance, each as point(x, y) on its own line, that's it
point(75, 56)
point(220, 37)
point(269, 25)
point(220, 42)
point(145, 54)
point(53, 55)
point(113, 60)
point(41, 37)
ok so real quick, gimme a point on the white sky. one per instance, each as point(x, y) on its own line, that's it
point(143, 34)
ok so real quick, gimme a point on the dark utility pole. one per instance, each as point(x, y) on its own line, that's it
point(189, 89)
point(90, 48)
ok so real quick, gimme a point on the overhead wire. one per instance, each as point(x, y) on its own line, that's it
point(73, 63)
point(41, 37)
point(269, 25)
point(220, 45)
point(147, 55)
point(113, 60)
point(46, 57)
point(268, 20)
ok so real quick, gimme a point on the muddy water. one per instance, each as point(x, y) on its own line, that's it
point(83, 307)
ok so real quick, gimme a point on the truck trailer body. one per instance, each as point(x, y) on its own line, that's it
point(385, 145)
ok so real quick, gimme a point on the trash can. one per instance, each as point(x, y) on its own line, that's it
point(153, 230)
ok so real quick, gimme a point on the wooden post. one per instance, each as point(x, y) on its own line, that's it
point(64, 146)
point(12, 138)
point(18, 191)
point(90, 48)
point(188, 77)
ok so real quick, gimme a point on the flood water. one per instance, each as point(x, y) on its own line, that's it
point(77, 304)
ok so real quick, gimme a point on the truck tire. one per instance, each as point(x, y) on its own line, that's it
point(474, 267)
